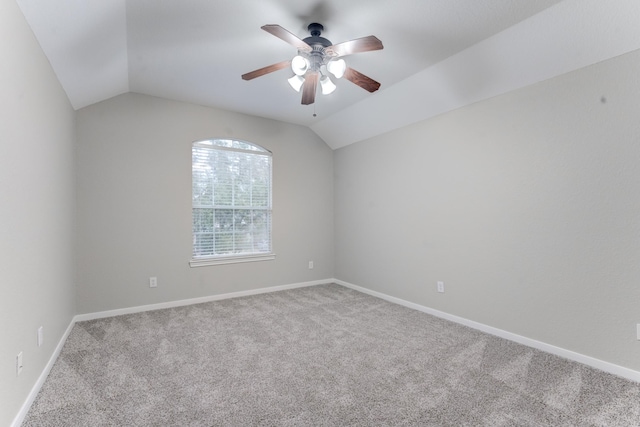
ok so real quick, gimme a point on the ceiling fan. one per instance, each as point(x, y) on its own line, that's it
point(316, 58)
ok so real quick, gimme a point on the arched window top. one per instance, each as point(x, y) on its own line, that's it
point(233, 144)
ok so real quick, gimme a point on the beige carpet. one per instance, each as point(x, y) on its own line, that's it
point(317, 356)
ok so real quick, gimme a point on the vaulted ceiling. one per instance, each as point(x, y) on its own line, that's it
point(438, 55)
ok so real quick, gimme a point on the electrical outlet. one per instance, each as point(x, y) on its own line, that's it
point(440, 286)
point(19, 363)
point(153, 282)
point(310, 265)
point(40, 336)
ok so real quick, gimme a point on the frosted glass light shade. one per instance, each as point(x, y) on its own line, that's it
point(299, 65)
point(337, 67)
point(296, 82)
point(327, 85)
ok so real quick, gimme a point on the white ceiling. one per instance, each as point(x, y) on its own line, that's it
point(438, 55)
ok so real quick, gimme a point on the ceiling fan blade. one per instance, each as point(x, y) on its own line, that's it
point(366, 83)
point(364, 44)
point(287, 36)
point(309, 88)
point(266, 70)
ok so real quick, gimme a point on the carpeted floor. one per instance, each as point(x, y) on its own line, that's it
point(316, 356)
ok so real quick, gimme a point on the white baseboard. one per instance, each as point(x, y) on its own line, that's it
point(558, 351)
point(567, 354)
point(19, 418)
point(190, 301)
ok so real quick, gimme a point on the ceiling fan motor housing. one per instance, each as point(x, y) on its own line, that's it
point(318, 45)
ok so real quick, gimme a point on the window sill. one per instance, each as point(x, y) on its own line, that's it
point(206, 261)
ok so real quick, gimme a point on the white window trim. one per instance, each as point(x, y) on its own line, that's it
point(221, 260)
point(204, 261)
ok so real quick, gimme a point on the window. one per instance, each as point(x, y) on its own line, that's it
point(231, 202)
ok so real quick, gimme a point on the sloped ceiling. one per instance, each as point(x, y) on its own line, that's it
point(438, 55)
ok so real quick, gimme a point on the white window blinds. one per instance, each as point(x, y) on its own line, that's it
point(231, 199)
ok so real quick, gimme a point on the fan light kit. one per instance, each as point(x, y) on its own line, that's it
point(318, 58)
point(300, 65)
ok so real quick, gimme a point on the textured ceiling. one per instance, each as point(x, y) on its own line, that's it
point(438, 55)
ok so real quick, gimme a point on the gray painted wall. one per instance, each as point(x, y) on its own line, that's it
point(134, 203)
point(37, 209)
point(527, 206)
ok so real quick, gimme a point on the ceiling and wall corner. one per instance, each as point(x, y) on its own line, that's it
point(437, 56)
point(568, 36)
point(86, 44)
